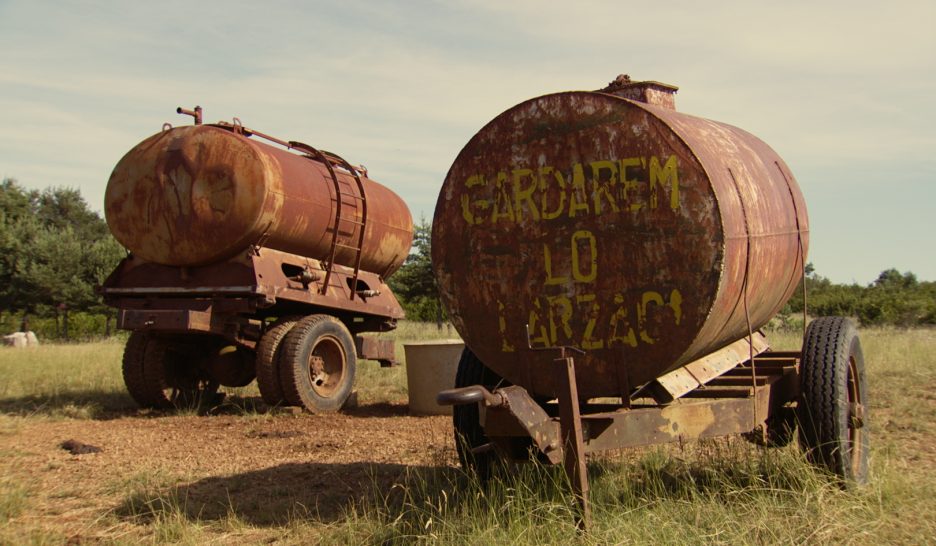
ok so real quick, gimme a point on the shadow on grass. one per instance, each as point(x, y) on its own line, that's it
point(244, 405)
point(725, 469)
point(379, 409)
point(105, 405)
point(330, 493)
point(86, 404)
point(284, 493)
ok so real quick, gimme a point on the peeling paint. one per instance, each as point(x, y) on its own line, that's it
point(628, 230)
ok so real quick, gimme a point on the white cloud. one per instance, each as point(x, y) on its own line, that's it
point(402, 86)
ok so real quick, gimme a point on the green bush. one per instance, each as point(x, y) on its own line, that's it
point(82, 326)
point(893, 299)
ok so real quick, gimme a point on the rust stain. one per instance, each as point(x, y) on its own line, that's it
point(625, 229)
point(200, 194)
point(687, 422)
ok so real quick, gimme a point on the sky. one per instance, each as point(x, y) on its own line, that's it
point(843, 91)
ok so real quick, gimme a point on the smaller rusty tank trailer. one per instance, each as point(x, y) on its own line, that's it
point(250, 259)
point(609, 263)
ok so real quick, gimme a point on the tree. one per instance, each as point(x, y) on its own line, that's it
point(415, 283)
point(65, 268)
point(814, 283)
point(54, 250)
point(893, 279)
point(15, 202)
point(17, 226)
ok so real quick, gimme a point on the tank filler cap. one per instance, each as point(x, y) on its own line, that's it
point(649, 92)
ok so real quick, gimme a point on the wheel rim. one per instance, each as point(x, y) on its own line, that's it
point(855, 418)
point(327, 366)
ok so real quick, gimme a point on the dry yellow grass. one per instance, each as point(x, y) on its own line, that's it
point(716, 492)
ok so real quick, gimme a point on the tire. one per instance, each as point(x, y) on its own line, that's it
point(227, 365)
point(317, 364)
point(469, 434)
point(833, 405)
point(133, 356)
point(158, 376)
point(268, 353)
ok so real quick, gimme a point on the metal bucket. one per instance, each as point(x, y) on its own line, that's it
point(430, 368)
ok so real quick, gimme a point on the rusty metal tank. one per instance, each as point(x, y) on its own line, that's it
point(200, 194)
point(609, 222)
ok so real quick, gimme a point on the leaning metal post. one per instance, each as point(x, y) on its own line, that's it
point(570, 424)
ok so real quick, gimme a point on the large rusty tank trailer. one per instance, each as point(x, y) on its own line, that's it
point(609, 263)
point(250, 259)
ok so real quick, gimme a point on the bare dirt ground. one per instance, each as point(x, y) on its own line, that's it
point(247, 476)
point(264, 468)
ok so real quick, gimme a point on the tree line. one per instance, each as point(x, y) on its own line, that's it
point(893, 299)
point(54, 252)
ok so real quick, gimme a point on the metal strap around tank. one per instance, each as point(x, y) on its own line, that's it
point(327, 158)
point(799, 240)
point(362, 223)
point(744, 296)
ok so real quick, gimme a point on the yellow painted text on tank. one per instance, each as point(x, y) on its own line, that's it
point(622, 322)
point(610, 186)
point(584, 266)
point(580, 318)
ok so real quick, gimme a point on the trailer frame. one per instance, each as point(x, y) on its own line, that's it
point(759, 397)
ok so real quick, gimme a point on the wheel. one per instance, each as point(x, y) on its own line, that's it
point(832, 409)
point(132, 369)
point(228, 365)
point(173, 378)
point(317, 364)
point(158, 375)
point(469, 434)
point(268, 353)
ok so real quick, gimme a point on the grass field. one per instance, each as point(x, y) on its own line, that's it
point(723, 491)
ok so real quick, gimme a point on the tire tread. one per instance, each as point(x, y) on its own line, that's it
point(466, 419)
point(133, 370)
point(823, 417)
point(269, 350)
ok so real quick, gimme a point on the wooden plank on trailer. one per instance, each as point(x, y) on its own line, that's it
point(680, 382)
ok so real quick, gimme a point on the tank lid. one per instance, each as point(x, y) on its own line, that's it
point(650, 92)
